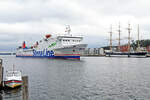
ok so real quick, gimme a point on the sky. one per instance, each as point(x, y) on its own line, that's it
point(30, 20)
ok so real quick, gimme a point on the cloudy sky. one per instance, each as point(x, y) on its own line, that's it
point(30, 20)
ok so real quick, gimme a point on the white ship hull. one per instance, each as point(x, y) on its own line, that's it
point(71, 51)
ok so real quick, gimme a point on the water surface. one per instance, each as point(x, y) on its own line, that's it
point(91, 78)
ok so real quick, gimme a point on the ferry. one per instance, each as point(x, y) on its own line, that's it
point(55, 46)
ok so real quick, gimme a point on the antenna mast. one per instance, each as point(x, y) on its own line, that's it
point(13, 67)
point(110, 38)
point(68, 29)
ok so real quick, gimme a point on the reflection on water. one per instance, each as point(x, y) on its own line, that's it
point(91, 78)
point(14, 94)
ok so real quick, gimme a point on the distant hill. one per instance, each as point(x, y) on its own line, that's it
point(143, 43)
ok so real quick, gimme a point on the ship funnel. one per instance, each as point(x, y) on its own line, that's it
point(48, 35)
point(23, 45)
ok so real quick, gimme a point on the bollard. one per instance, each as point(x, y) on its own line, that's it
point(25, 88)
point(1, 73)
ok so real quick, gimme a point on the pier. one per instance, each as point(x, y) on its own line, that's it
point(94, 52)
point(126, 54)
point(7, 53)
point(1, 73)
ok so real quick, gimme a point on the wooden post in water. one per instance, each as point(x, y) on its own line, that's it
point(25, 88)
point(1, 73)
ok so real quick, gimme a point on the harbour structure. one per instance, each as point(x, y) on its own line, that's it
point(6, 53)
point(128, 51)
point(55, 46)
point(1, 73)
point(94, 52)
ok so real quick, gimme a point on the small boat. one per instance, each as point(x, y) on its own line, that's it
point(13, 79)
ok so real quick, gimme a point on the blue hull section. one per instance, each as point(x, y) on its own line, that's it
point(62, 57)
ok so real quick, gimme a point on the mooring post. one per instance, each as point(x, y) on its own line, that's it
point(128, 54)
point(1, 73)
point(25, 88)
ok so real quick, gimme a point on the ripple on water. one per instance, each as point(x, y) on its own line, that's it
point(93, 78)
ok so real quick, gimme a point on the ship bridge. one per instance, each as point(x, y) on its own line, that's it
point(69, 40)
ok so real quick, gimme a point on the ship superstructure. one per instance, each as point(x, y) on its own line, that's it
point(54, 46)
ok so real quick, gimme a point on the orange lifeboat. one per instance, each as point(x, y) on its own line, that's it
point(48, 35)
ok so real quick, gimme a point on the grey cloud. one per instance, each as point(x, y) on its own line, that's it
point(137, 8)
point(38, 11)
point(22, 19)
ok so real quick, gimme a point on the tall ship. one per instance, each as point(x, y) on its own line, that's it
point(126, 49)
point(54, 46)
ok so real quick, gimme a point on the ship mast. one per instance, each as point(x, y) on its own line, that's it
point(110, 38)
point(129, 30)
point(13, 68)
point(138, 38)
point(119, 37)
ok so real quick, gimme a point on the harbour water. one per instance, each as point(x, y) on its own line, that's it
point(91, 78)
